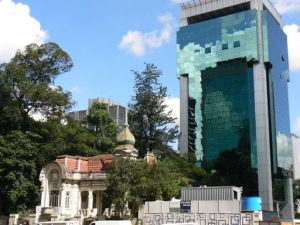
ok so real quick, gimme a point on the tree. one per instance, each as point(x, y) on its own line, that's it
point(78, 140)
point(150, 122)
point(18, 175)
point(26, 88)
point(27, 85)
point(136, 182)
point(104, 127)
point(55, 139)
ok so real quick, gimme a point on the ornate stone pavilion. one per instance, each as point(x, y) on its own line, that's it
point(72, 187)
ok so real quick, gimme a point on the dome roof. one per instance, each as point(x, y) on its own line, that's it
point(125, 137)
point(126, 142)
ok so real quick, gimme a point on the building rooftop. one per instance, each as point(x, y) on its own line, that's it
point(198, 10)
point(97, 163)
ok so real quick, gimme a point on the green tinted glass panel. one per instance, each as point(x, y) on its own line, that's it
point(200, 49)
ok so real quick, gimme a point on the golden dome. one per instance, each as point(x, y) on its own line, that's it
point(126, 142)
point(125, 137)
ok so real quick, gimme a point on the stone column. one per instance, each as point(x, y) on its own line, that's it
point(90, 201)
point(74, 200)
point(42, 179)
point(63, 196)
point(79, 201)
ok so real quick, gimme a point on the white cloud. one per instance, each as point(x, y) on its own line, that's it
point(293, 34)
point(287, 6)
point(76, 89)
point(297, 125)
point(138, 43)
point(18, 29)
point(174, 105)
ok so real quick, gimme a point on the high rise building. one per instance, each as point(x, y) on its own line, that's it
point(117, 111)
point(296, 156)
point(232, 62)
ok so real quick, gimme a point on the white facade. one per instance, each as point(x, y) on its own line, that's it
point(71, 188)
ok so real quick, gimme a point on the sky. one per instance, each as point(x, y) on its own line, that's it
point(108, 40)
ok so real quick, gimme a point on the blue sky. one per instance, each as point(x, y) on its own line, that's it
point(109, 39)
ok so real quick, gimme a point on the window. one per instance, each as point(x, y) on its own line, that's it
point(235, 195)
point(208, 50)
point(236, 44)
point(224, 46)
point(67, 199)
point(54, 198)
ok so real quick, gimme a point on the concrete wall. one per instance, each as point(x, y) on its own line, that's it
point(196, 207)
point(202, 218)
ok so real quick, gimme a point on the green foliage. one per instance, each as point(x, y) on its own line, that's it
point(105, 129)
point(150, 123)
point(136, 182)
point(26, 86)
point(185, 168)
point(56, 139)
point(18, 190)
point(78, 140)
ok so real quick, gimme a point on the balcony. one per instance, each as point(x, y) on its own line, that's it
point(51, 210)
point(88, 212)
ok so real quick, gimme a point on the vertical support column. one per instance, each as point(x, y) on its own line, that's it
point(63, 196)
point(90, 200)
point(288, 210)
point(79, 201)
point(184, 97)
point(43, 196)
point(263, 138)
point(74, 203)
point(262, 118)
point(42, 179)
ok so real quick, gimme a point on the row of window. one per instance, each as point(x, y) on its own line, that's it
point(236, 44)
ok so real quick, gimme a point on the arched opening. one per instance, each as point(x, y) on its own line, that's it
point(54, 186)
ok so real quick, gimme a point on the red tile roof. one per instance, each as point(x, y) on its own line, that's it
point(95, 163)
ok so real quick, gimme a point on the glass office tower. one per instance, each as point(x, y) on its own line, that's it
point(232, 63)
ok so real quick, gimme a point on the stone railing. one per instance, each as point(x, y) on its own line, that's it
point(88, 212)
point(50, 210)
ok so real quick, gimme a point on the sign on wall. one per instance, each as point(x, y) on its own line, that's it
point(185, 206)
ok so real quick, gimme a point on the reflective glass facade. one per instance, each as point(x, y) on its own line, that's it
point(276, 57)
point(217, 56)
